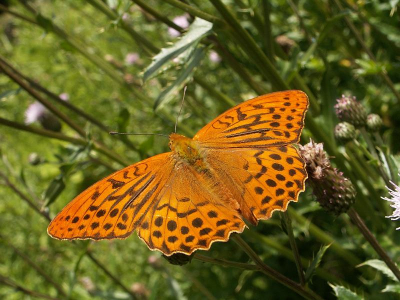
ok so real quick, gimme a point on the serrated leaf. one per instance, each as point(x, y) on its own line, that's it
point(380, 266)
point(343, 293)
point(316, 262)
point(197, 30)
point(392, 288)
point(184, 76)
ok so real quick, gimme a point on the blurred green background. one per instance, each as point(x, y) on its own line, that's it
point(94, 56)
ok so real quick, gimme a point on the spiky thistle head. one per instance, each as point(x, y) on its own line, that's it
point(374, 122)
point(345, 132)
point(348, 109)
point(333, 191)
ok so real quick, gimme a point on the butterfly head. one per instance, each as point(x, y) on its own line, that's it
point(185, 148)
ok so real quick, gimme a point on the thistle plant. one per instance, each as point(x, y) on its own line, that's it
point(73, 71)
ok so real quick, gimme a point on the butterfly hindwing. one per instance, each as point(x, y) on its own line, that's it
point(188, 216)
point(269, 120)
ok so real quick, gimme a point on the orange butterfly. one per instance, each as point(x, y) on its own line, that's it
point(240, 165)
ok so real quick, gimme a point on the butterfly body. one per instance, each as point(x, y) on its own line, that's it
point(242, 165)
point(186, 150)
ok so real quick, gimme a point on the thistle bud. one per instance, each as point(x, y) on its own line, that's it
point(348, 109)
point(50, 122)
point(333, 191)
point(345, 132)
point(179, 259)
point(374, 122)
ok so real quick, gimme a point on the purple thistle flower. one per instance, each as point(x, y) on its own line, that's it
point(395, 202)
point(132, 58)
point(181, 21)
point(214, 57)
point(34, 112)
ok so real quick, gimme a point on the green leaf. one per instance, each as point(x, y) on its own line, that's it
point(123, 120)
point(343, 293)
point(380, 266)
point(197, 30)
point(325, 31)
point(316, 262)
point(8, 93)
point(392, 288)
point(55, 188)
point(184, 76)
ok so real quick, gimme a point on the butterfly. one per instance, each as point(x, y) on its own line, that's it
point(240, 166)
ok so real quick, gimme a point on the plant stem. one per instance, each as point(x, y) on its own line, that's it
point(194, 11)
point(372, 149)
point(248, 44)
point(44, 215)
point(373, 242)
point(158, 16)
point(303, 291)
point(36, 267)
point(326, 238)
point(358, 37)
point(9, 282)
point(42, 100)
point(293, 245)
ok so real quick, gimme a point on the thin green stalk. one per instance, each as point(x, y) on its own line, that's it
point(326, 238)
point(267, 32)
point(56, 98)
point(301, 290)
point(293, 245)
point(42, 132)
point(300, 19)
point(24, 197)
point(372, 149)
point(96, 60)
point(36, 267)
point(198, 284)
point(380, 142)
point(158, 16)
point(141, 41)
point(237, 67)
point(373, 242)
point(109, 274)
point(195, 12)
point(44, 215)
point(360, 40)
point(59, 136)
point(42, 100)
point(11, 283)
point(366, 180)
point(18, 15)
point(248, 44)
point(226, 263)
point(213, 92)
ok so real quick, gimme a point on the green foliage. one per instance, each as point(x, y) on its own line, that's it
point(106, 57)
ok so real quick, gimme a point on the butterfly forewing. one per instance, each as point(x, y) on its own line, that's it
point(114, 206)
point(269, 120)
point(265, 179)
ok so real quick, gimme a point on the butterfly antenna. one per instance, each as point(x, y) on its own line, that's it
point(127, 133)
point(180, 109)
